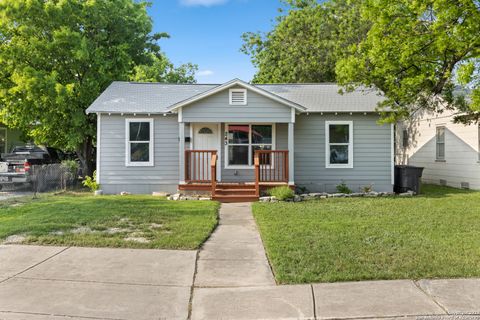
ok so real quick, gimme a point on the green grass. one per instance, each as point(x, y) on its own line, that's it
point(106, 221)
point(434, 235)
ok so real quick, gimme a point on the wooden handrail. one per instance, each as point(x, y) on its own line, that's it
point(271, 166)
point(256, 160)
point(213, 167)
point(197, 165)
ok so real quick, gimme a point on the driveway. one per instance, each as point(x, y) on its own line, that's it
point(59, 282)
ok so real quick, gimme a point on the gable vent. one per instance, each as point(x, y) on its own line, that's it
point(238, 97)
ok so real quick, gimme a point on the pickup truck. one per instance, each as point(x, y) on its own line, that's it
point(15, 167)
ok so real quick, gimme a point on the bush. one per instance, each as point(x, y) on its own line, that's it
point(367, 188)
point(71, 166)
point(91, 182)
point(282, 193)
point(342, 188)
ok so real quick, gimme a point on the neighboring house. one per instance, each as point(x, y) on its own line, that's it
point(9, 138)
point(449, 152)
point(164, 137)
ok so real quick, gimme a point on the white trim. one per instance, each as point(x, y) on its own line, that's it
point(291, 154)
point(181, 151)
point(99, 147)
point(249, 167)
point(219, 152)
point(441, 126)
point(292, 120)
point(191, 136)
point(128, 163)
point(392, 152)
point(237, 82)
point(230, 96)
point(180, 114)
point(328, 165)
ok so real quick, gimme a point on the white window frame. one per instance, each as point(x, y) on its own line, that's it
point(437, 158)
point(329, 165)
point(250, 144)
point(244, 91)
point(128, 143)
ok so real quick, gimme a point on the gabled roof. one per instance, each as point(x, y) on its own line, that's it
point(237, 83)
point(131, 97)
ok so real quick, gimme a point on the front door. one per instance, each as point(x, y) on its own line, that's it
point(206, 137)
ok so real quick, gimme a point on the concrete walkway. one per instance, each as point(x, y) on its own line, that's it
point(234, 255)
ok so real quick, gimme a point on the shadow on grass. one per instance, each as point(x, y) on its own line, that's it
point(435, 191)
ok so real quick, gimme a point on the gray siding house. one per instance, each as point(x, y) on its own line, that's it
point(239, 137)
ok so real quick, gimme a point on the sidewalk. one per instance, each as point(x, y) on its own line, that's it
point(229, 278)
point(232, 282)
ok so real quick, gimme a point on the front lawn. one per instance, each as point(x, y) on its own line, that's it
point(107, 221)
point(435, 235)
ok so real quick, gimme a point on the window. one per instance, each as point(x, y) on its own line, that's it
point(242, 140)
point(238, 97)
point(139, 138)
point(339, 144)
point(405, 138)
point(440, 142)
point(205, 130)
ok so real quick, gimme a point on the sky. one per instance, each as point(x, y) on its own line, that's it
point(208, 33)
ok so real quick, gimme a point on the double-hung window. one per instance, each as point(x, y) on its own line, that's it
point(339, 144)
point(405, 138)
point(139, 142)
point(440, 144)
point(242, 140)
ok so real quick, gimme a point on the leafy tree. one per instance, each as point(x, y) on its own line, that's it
point(160, 69)
point(418, 53)
point(306, 42)
point(57, 56)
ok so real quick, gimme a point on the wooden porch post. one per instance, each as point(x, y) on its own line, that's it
point(291, 153)
point(181, 152)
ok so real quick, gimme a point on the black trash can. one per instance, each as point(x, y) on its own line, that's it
point(407, 178)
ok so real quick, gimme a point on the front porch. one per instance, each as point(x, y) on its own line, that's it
point(271, 169)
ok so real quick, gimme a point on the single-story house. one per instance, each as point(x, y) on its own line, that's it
point(9, 138)
point(235, 138)
point(449, 152)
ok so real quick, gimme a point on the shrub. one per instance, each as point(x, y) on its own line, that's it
point(367, 188)
point(342, 188)
point(71, 166)
point(282, 193)
point(91, 182)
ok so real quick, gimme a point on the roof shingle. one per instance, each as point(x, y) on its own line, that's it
point(131, 97)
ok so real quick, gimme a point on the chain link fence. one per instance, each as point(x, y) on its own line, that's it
point(53, 177)
point(46, 178)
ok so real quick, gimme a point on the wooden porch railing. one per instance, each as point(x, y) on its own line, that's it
point(213, 167)
point(198, 166)
point(270, 166)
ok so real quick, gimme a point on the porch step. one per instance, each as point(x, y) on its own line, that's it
point(243, 192)
point(235, 198)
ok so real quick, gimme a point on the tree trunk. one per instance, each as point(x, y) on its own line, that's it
point(85, 155)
